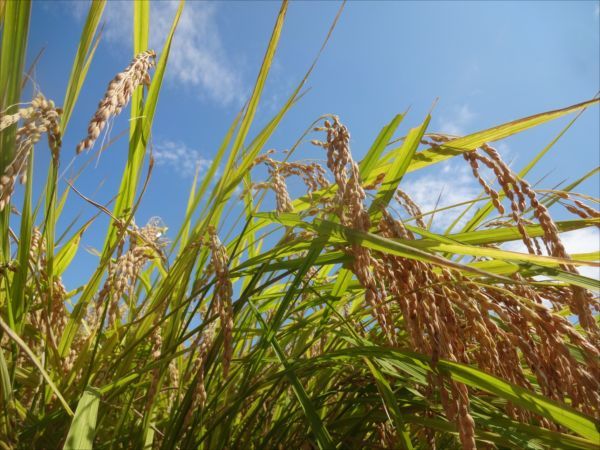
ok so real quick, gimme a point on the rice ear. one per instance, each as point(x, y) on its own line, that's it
point(118, 94)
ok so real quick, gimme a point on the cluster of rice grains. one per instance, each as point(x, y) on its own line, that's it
point(201, 346)
point(352, 213)
point(47, 311)
point(222, 295)
point(38, 117)
point(222, 308)
point(312, 175)
point(118, 94)
point(578, 207)
point(449, 316)
point(145, 243)
point(42, 116)
point(45, 315)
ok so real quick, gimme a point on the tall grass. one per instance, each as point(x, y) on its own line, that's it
point(340, 319)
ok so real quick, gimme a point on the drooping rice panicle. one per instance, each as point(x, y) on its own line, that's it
point(118, 94)
point(41, 117)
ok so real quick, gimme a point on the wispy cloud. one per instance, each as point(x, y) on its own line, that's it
point(597, 10)
point(456, 122)
point(180, 158)
point(453, 184)
point(197, 59)
point(583, 241)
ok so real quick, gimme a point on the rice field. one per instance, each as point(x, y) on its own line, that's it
point(339, 318)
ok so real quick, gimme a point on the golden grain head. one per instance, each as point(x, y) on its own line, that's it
point(117, 95)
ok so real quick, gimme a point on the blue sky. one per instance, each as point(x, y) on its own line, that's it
point(486, 62)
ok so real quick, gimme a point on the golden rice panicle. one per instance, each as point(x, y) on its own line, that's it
point(282, 196)
point(48, 116)
point(508, 182)
point(173, 371)
point(352, 213)
point(118, 94)
point(582, 210)
point(431, 319)
point(312, 174)
point(156, 342)
point(351, 194)
point(471, 158)
point(144, 244)
point(581, 301)
point(202, 344)
point(41, 117)
point(9, 177)
point(48, 312)
point(222, 295)
point(6, 120)
point(587, 211)
point(411, 207)
point(578, 207)
point(510, 185)
point(387, 435)
point(466, 424)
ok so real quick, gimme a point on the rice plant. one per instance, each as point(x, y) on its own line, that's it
point(338, 319)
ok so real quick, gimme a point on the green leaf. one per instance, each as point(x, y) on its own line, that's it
point(12, 62)
point(15, 337)
point(83, 427)
point(15, 28)
point(85, 53)
point(68, 251)
point(6, 392)
point(397, 170)
point(143, 116)
point(538, 404)
point(483, 212)
point(506, 234)
point(381, 142)
point(258, 86)
point(406, 249)
point(475, 140)
point(535, 403)
point(20, 280)
point(392, 406)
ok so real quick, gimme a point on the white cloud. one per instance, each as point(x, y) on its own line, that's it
point(456, 123)
point(585, 240)
point(179, 157)
point(455, 183)
point(197, 59)
point(515, 246)
point(597, 10)
point(78, 9)
point(581, 241)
